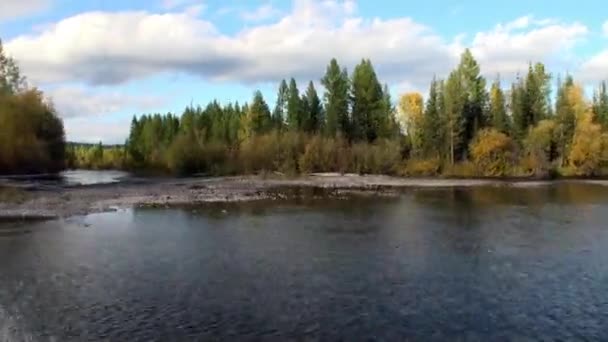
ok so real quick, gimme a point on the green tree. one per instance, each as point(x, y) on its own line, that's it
point(294, 107)
point(11, 80)
point(432, 135)
point(498, 110)
point(369, 119)
point(566, 117)
point(453, 116)
point(280, 109)
point(257, 119)
point(313, 117)
point(337, 88)
point(600, 105)
point(475, 97)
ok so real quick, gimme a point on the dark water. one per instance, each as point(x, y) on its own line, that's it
point(473, 264)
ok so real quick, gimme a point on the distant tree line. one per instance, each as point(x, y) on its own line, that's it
point(32, 138)
point(465, 127)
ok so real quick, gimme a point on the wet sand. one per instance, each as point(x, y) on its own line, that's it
point(61, 202)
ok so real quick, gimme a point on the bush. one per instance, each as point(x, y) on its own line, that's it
point(492, 153)
point(465, 169)
point(422, 167)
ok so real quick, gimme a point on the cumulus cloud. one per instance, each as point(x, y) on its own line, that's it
point(85, 47)
point(12, 9)
point(507, 49)
point(595, 69)
point(77, 102)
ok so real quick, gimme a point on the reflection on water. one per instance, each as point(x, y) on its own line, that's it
point(486, 263)
point(89, 177)
point(67, 178)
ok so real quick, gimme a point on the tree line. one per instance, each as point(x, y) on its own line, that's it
point(539, 126)
point(466, 126)
point(32, 138)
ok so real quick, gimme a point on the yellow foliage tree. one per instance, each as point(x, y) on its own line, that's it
point(586, 151)
point(411, 117)
point(492, 152)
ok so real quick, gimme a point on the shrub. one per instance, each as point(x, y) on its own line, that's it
point(422, 167)
point(492, 153)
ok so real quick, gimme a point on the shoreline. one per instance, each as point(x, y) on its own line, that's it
point(46, 203)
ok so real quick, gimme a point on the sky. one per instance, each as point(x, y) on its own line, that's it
point(102, 61)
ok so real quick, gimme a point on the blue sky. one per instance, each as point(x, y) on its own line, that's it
point(102, 61)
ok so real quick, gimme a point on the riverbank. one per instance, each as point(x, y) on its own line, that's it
point(59, 202)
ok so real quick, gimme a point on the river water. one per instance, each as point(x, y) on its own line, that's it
point(474, 264)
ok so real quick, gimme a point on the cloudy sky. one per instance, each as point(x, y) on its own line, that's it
point(102, 61)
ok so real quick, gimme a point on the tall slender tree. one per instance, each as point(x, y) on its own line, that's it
point(454, 102)
point(294, 107)
point(336, 101)
point(498, 110)
point(369, 120)
point(313, 117)
point(280, 109)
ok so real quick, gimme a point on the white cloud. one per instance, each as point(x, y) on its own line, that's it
point(84, 47)
point(92, 131)
point(595, 69)
point(261, 13)
point(12, 9)
point(508, 48)
point(605, 29)
point(77, 102)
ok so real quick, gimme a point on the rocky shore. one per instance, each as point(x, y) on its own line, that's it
point(48, 203)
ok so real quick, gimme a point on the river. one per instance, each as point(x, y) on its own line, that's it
point(476, 264)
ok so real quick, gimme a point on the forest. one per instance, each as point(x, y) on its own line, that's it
point(32, 138)
point(541, 126)
point(466, 126)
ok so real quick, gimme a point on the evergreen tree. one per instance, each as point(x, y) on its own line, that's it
point(369, 120)
point(313, 110)
point(336, 99)
point(432, 130)
point(600, 105)
point(11, 80)
point(280, 109)
point(475, 96)
point(294, 107)
point(498, 111)
point(566, 118)
point(454, 101)
point(518, 111)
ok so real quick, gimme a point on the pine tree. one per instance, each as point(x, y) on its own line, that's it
point(498, 111)
point(454, 102)
point(257, 118)
point(600, 105)
point(294, 107)
point(432, 130)
point(280, 109)
point(518, 110)
point(369, 120)
point(11, 80)
point(337, 88)
point(566, 118)
point(475, 96)
point(313, 110)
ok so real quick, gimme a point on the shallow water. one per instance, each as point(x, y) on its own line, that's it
point(477, 263)
point(67, 178)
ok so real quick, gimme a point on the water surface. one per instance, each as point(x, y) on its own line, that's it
point(433, 264)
